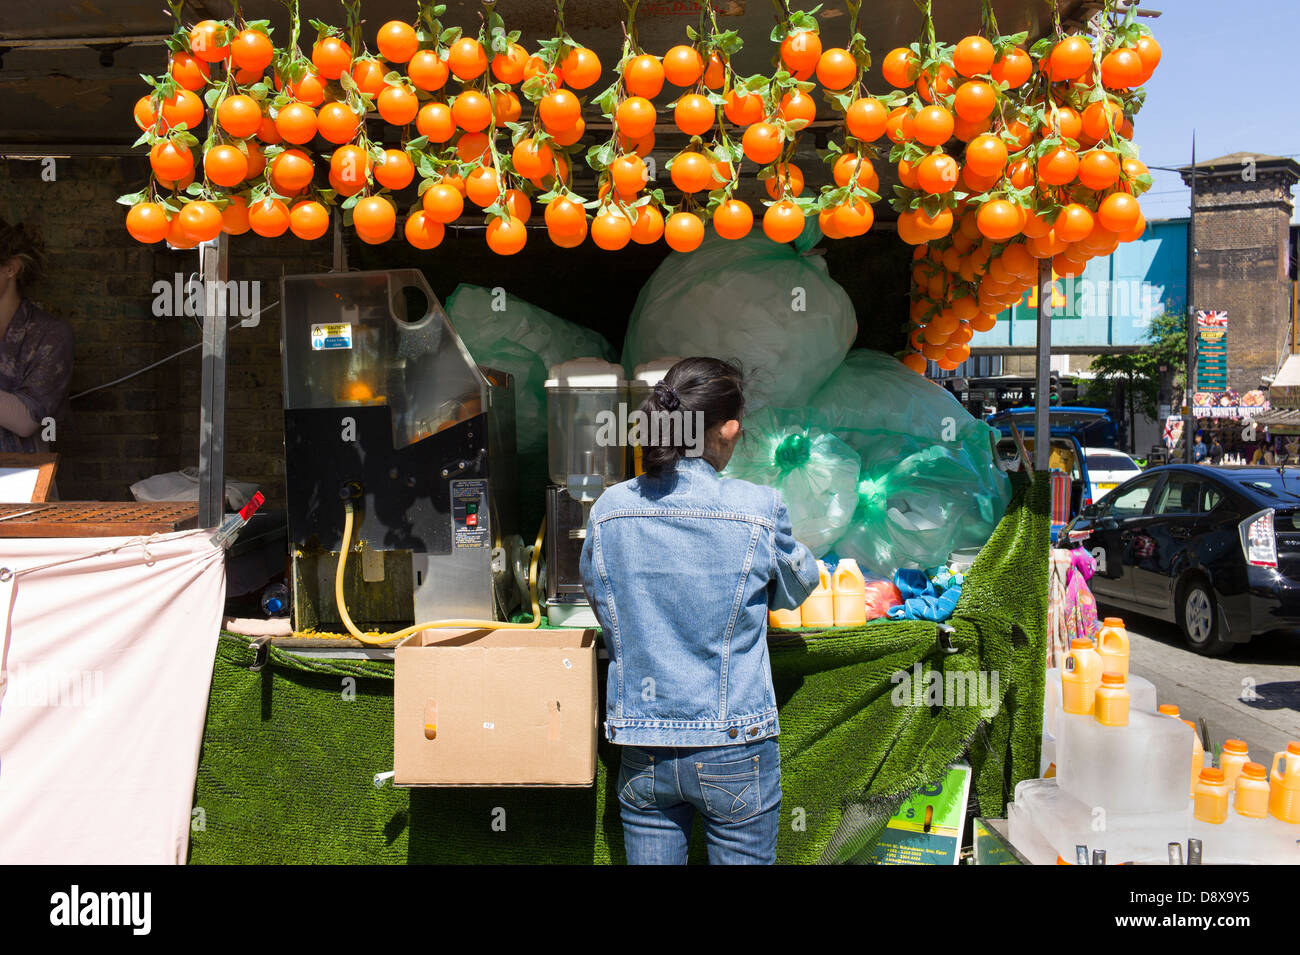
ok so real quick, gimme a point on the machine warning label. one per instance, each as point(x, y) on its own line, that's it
point(469, 513)
point(331, 336)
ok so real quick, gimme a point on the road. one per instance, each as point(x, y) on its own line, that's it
point(1252, 694)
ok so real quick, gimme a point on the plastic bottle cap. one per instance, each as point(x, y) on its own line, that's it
point(1112, 679)
point(1235, 746)
point(1113, 622)
point(1211, 774)
point(1254, 771)
point(1169, 709)
point(1080, 643)
point(1293, 748)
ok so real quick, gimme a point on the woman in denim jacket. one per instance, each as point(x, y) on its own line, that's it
point(681, 567)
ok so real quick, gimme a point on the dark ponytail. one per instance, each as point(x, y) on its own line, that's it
point(707, 386)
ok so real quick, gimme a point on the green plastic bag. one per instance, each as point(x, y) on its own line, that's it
point(767, 305)
point(815, 472)
point(507, 333)
point(930, 483)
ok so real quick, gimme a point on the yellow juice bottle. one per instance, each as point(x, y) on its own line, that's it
point(1112, 644)
point(1211, 796)
point(1284, 785)
point(819, 609)
point(1080, 677)
point(1235, 755)
point(1250, 796)
point(849, 594)
point(1112, 701)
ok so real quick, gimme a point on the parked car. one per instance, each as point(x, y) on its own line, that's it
point(1108, 468)
point(1214, 550)
point(1071, 429)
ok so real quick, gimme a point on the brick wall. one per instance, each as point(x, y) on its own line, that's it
point(101, 281)
point(1242, 240)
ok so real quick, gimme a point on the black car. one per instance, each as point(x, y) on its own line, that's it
point(1215, 550)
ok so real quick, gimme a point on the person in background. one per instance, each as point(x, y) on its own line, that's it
point(35, 347)
point(1199, 450)
point(681, 567)
point(1216, 451)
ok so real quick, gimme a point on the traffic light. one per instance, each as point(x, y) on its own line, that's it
point(1054, 398)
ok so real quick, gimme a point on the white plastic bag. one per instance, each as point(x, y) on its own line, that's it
point(815, 472)
point(504, 332)
point(752, 300)
point(930, 483)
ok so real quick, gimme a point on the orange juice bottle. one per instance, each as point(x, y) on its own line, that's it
point(1250, 797)
point(1211, 796)
point(1080, 677)
point(1284, 786)
point(1235, 755)
point(784, 619)
point(1111, 706)
point(1112, 644)
point(819, 609)
point(1198, 751)
point(849, 594)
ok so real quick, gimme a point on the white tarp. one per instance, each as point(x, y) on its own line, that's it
point(105, 667)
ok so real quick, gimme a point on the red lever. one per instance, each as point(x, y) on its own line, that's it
point(249, 509)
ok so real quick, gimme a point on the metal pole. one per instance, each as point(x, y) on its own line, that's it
point(1189, 419)
point(212, 402)
point(340, 246)
point(1043, 367)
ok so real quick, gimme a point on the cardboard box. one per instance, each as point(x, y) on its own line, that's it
point(495, 708)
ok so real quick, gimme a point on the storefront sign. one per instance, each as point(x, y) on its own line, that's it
point(1211, 350)
point(1228, 404)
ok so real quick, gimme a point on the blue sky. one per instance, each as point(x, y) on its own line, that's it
point(1192, 88)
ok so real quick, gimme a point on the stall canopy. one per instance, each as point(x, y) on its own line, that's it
point(1283, 416)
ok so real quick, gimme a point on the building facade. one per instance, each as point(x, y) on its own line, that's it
point(1244, 259)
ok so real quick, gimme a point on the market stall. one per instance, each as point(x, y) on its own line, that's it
point(294, 742)
point(415, 467)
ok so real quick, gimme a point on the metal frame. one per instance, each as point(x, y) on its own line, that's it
point(1043, 368)
point(213, 266)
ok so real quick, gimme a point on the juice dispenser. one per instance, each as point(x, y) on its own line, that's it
point(644, 379)
point(385, 408)
point(587, 415)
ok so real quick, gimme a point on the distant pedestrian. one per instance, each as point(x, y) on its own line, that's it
point(1199, 450)
point(1216, 451)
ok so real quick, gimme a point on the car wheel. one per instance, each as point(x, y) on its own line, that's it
point(1198, 616)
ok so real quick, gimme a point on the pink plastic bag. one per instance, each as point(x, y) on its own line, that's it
point(881, 595)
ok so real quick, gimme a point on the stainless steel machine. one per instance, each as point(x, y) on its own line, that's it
point(384, 407)
point(587, 452)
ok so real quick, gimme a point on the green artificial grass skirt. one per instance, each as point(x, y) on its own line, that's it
point(290, 752)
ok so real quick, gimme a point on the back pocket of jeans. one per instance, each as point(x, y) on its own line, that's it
point(731, 790)
point(636, 779)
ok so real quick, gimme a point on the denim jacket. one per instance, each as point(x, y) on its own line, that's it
point(680, 571)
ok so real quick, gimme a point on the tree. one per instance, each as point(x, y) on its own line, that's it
point(1131, 380)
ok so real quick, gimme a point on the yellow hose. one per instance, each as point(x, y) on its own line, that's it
point(432, 624)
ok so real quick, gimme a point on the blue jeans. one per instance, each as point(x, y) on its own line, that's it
point(735, 789)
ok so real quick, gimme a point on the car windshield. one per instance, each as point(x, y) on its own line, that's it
point(1111, 462)
point(1276, 486)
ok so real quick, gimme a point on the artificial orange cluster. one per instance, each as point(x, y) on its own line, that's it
point(1005, 156)
point(454, 98)
point(1044, 168)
